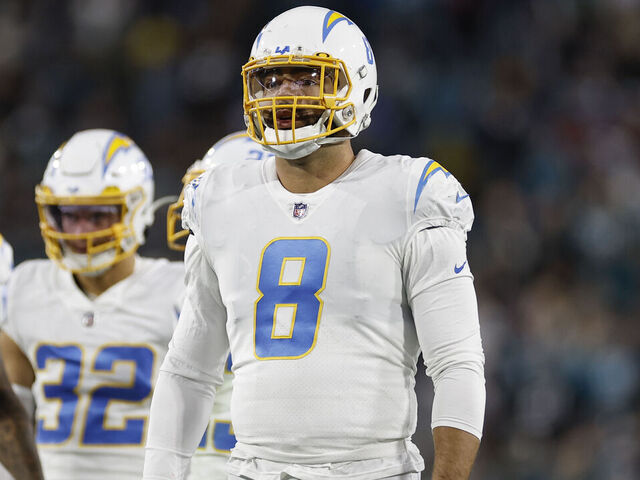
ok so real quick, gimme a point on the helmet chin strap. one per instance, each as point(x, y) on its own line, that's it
point(79, 261)
point(293, 151)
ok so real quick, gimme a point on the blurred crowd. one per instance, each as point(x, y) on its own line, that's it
point(534, 105)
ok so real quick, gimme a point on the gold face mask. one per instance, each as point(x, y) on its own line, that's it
point(290, 98)
point(85, 234)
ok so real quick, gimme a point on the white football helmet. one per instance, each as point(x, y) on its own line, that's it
point(341, 65)
point(234, 147)
point(100, 169)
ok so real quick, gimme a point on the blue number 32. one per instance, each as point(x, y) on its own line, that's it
point(94, 430)
point(291, 276)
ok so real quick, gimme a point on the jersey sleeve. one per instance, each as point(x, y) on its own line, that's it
point(440, 291)
point(190, 373)
point(200, 340)
point(177, 272)
point(436, 198)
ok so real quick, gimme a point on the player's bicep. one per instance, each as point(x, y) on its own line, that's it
point(442, 299)
point(446, 319)
point(434, 255)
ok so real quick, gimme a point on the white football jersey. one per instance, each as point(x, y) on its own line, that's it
point(210, 459)
point(95, 362)
point(316, 291)
point(6, 265)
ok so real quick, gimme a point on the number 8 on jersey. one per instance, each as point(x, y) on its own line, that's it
point(291, 276)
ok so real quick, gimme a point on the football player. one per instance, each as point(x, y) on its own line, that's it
point(87, 329)
point(17, 450)
point(329, 272)
point(211, 456)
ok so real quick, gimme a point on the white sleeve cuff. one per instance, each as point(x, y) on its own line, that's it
point(460, 400)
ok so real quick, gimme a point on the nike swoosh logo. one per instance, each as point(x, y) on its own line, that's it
point(460, 198)
point(458, 269)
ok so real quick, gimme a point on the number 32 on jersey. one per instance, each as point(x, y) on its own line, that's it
point(291, 275)
point(138, 360)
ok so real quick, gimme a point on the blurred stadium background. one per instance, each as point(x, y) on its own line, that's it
point(534, 105)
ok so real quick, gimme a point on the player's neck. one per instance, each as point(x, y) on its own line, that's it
point(95, 286)
point(311, 173)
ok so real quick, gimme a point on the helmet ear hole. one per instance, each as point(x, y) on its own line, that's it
point(367, 92)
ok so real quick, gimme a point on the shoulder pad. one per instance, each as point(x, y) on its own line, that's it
point(193, 193)
point(439, 198)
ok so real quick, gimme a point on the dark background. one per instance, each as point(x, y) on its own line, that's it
point(533, 105)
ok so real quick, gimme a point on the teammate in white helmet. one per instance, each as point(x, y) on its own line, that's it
point(326, 273)
point(210, 458)
point(17, 450)
point(86, 331)
point(236, 146)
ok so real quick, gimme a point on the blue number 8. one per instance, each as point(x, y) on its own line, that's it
point(300, 295)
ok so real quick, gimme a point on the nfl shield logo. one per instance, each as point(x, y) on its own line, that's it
point(299, 210)
point(87, 319)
